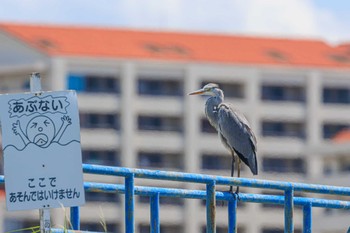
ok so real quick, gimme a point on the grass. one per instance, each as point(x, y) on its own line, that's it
point(35, 229)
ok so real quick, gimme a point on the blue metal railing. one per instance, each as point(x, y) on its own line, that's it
point(210, 195)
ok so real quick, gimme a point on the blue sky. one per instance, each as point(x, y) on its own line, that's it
point(321, 19)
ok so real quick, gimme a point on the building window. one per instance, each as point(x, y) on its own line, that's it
point(164, 228)
point(206, 127)
point(283, 93)
point(216, 162)
point(93, 83)
point(283, 129)
point(331, 129)
point(160, 160)
point(336, 95)
point(160, 123)
point(223, 229)
point(156, 87)
point(16, 224)
point(101, 157)
point(277, 230)
point(284, 165)
point(344, 165)
point(231, 90)
point(99, 120)
point(102, 197)
point(274, 193)
point(220, 203)
point(99, 226)
point(164, 200)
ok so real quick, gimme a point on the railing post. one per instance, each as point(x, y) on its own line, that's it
point(211, 205)
point(232, 215)
point(75, 217)
point(307, 218)
point(45, 220)
point(129, 203)
point(288, 210)
point(155, 223)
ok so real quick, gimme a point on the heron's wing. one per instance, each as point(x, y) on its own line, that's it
point(235, 130)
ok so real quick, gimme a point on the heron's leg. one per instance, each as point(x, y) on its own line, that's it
point(238, 172)
point(232, 168)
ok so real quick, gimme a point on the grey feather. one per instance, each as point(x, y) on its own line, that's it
point(237, 135)
point(232, 126)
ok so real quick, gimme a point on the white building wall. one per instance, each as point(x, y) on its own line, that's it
point(192, 143)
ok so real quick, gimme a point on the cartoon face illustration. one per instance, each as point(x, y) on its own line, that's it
point(41, 131)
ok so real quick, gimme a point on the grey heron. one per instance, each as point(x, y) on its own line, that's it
point(232, 127)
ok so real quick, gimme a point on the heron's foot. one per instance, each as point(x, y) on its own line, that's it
point(235, 194)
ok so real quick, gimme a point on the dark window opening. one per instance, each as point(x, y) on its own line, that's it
point(160, 123)
point(284, 165)
point(93, 83)
point(283, 93)
point(99, 120)
point(160, 160)
point(331, 129)
point(164, 228)
point(231, 90)
point(164, 200)
point(224, 229)
point(101, 157)
point(102, 197)
point(99, 227)
point(155, 87)
point(206, 127)
point(216, 162)
point(277, 230)
point(283, 129)
point(333, 95)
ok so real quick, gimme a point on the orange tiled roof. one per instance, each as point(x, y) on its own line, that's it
point(137, 44)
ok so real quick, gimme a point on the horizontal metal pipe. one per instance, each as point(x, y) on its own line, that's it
point(219, 180)
point(226, 196)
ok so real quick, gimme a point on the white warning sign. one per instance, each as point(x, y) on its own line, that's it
point(42, 152)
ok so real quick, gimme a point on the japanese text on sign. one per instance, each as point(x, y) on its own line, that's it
point(36, 194)
point(36, 104)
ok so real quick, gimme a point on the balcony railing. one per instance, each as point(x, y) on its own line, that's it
point(288, 200)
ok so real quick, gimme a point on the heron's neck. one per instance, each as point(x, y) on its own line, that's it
point(215, 101)
point(211, 109)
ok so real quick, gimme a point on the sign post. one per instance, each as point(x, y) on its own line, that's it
point(44, 214)
point(42, 151)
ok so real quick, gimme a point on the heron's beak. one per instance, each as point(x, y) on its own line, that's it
point(198, 92)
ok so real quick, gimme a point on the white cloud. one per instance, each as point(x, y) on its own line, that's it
point(287, 18)
point(296, 18)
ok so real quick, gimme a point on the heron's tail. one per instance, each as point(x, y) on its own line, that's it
point(253, 164)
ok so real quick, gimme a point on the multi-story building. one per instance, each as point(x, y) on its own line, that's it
point(135, 112)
